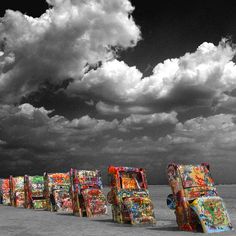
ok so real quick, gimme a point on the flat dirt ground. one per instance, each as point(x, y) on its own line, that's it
point(24, 222)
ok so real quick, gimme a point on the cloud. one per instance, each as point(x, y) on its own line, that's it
point(2, 142)
point(28, 110)
point(70, 52)
point(93, 125)
point(140, 121)
point(78, 40)
point(28, 128)
point(195, 140)
point(113, 81)
point(206, 135)
point(109, 109)
point(224, 103)
point(210, 139)
point(137, 146)
point(34, 139)
point(25, 126)
point(209, 70)
point(61, 43)
point(195, 79)
point(31, 128)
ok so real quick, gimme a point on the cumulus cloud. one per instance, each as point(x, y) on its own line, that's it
point(61, 43)
point(197, 78)
point(113, 81)
point(79, 39)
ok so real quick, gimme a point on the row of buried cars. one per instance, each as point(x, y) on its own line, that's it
point(194, 198)
point(77, 191)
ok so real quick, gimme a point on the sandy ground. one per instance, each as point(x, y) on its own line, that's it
point(24, 222)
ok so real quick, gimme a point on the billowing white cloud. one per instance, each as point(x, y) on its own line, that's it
point(61, 42)
point(114, 81)
point(72, 36)
point(195, 78)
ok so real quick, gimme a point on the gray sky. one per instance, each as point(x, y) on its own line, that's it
point(84, 84)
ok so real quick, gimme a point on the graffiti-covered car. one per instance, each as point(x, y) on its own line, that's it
point(34, 192)
point(88, 198)
point(57, 192)
point(5, 192)
point(129, 196)
point(17, 193)
point(195, 199)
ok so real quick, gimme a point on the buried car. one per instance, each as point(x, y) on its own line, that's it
point(57, 192)
point(87, 196)
point(129, 196)
point(5, 192)
point(17, 193)
point(34, 192)
point(195, 199)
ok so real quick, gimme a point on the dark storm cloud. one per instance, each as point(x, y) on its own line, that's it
point(30, 138)
point(53, 97)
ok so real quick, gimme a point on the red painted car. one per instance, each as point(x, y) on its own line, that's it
point(129, 196)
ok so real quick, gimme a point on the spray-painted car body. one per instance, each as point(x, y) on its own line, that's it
point(5, 192)
point(129, 196)
point(196, 202)
point(88, 198)
point(17, 193)
point(34, 192)
point(57, 192)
